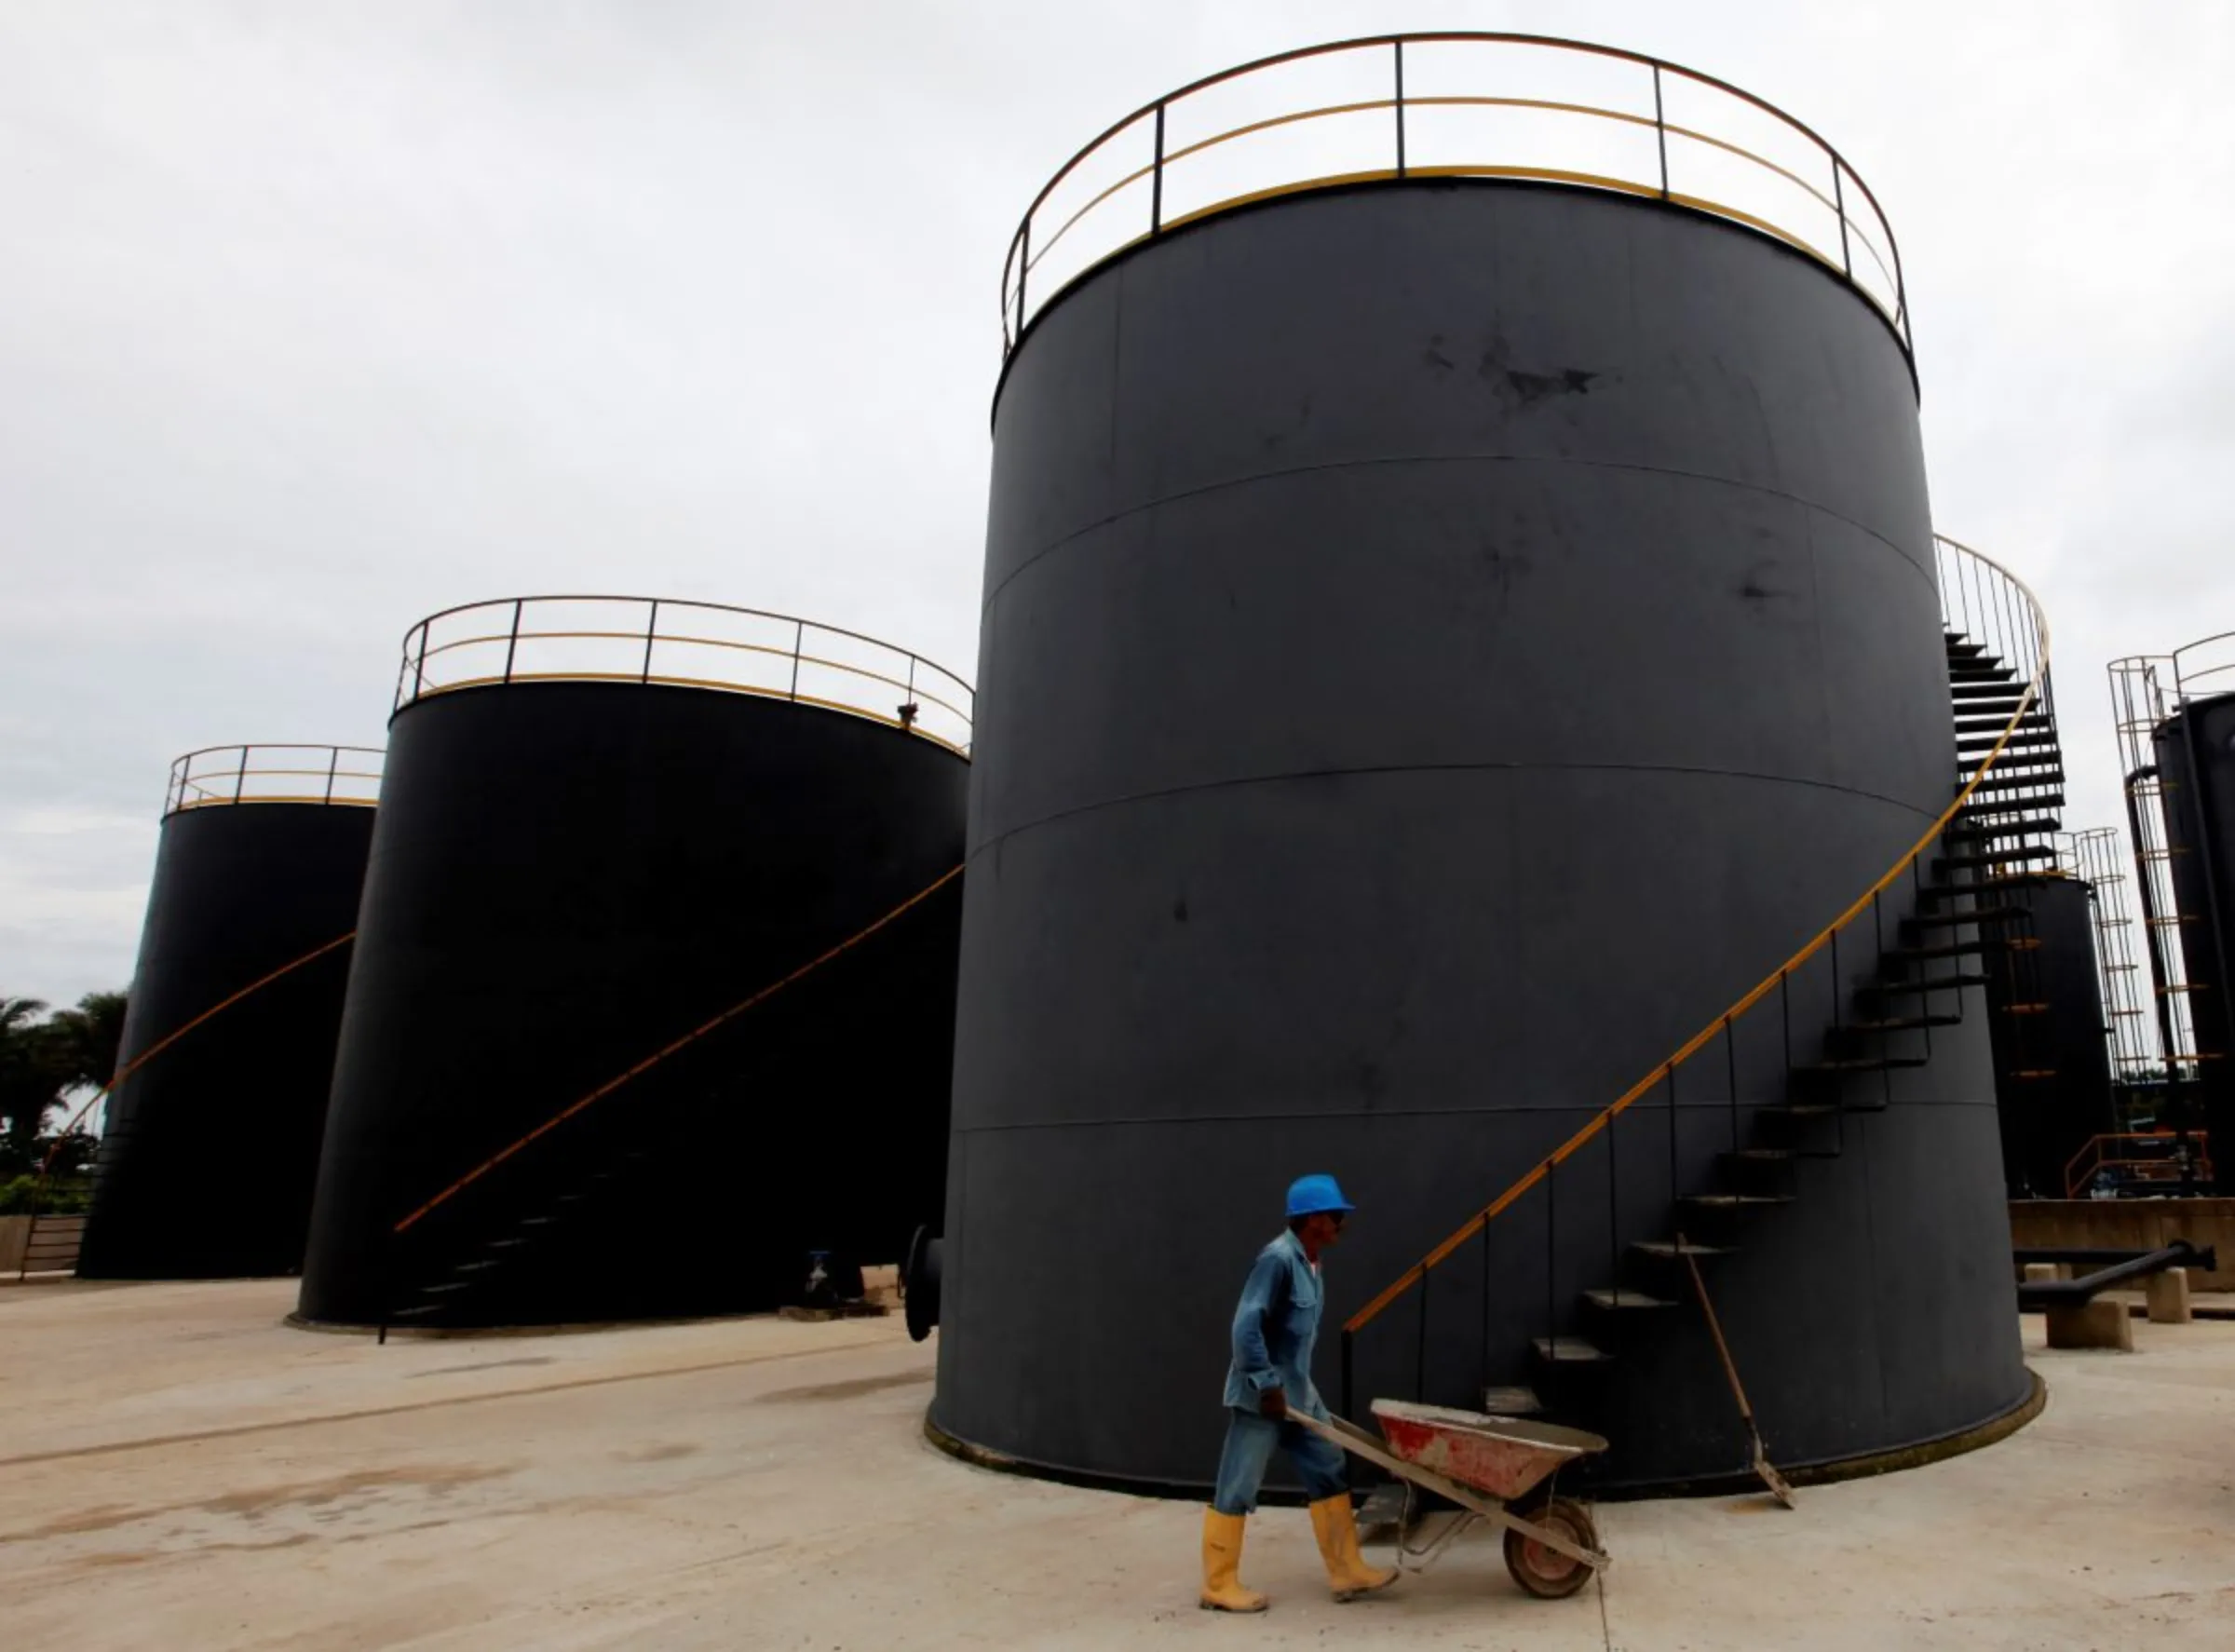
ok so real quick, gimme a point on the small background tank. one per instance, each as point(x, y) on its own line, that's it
point(2176, 717)
point(2052, 1066)
point(609, 822)
point(210, 1151)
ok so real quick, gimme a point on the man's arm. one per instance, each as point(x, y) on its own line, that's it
point(1251, 1358)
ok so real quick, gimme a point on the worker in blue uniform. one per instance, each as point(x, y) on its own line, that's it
point(1275, 1326)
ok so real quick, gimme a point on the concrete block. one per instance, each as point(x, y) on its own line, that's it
point(2169, 1298)
point(2098, 1324)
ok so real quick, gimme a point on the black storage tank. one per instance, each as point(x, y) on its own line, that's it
point(2195, 749)
point(1445, 638)
point(210, 1148)
point(2053, 1062)
point(607, 822)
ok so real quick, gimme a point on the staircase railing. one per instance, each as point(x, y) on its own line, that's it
point(1982, 602)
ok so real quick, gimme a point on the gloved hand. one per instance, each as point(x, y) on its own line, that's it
point(1273, 1403)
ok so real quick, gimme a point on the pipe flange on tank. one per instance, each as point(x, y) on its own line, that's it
point(919, 1282)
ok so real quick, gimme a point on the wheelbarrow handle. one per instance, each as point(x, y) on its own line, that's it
point(1359, 1443)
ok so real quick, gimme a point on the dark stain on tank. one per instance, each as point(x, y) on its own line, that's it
point(1532, 388)
point(1179, 910)
point(1433, 357)
point(1755, 592)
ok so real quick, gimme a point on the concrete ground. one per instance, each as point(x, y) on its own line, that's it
point(180, 1471)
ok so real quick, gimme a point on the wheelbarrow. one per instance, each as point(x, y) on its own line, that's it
point(1492, 1468)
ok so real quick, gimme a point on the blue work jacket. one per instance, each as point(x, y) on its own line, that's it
point(1275, 1324)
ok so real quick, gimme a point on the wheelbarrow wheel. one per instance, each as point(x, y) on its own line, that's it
point(1542, 1570)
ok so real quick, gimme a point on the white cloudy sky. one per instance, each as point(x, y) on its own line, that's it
point(316, 317)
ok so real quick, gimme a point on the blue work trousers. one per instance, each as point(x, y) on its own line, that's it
point(1248, 1449)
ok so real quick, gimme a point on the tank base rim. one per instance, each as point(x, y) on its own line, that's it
point(1824, 1471)
point(297, 1322)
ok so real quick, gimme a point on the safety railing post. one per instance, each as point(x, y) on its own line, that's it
point(1398, 48)
point(1675, 1184)
point(1730, 1060)
point(1420, 1348)
point(334, 763)
point(1156, 180)
point(241, 775)
point(511, 640)
point(1024, 269)
point(1847, 258)
point(1613, 1223)
point(1551, 1257)
point(651, 635)
point(1661, 133)
point(799, 646)
point(1484, 1364)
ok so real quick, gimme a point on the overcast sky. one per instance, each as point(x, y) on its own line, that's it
point(317, 316)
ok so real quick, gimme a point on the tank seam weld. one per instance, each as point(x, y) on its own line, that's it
point(1379, 1113)
point(1406, 769)
point(1213, 487)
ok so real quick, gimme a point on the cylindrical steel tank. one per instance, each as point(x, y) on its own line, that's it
point(605, 824)
point(2052, 1064)
point(1442, 641)
point(2195, 750)
point(210, 1148)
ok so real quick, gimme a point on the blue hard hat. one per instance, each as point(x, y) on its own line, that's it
point(1307, 1196)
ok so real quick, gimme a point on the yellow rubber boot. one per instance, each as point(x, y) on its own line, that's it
point(1347, 1572)
point(1222, 1566)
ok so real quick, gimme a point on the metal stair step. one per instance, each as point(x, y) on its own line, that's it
point(1666, 1250)
point(1918, 955)
point(1735, 1201)
point(1569, 1351)
point(2005, 857)
point(445, 1288)
point(417, 1312)
point(1945, 984)
point(1762, 1155)
point(1977, 915)
point(2055, 800)
point(1974, 692)
point(1511, 1401)
point(1617, 1300)
point(1903, 1024)
point(2001, 781)
point(1860, 1063)
point(2020, 740)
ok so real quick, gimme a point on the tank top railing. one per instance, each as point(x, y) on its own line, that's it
point(655, 641)
point(224, 775)
point(1456, 105)
point(1983, 604)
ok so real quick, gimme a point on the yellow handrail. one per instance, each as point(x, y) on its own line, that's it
point(1841, 191)
point(1761, 990)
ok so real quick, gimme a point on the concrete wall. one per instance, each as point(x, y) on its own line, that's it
point(2131, 1223)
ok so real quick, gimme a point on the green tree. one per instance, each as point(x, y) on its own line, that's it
point(43, 1057)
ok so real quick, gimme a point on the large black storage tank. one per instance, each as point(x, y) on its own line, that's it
point(2052, 1060)
point(606, 822)
point(2195, 750)
point(211, 1149)
point(1444, 640)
